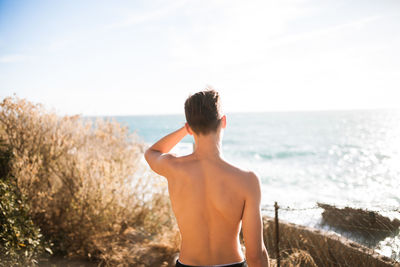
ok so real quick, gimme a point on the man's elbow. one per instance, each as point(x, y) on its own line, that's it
point(151, 157)
point(147, 156)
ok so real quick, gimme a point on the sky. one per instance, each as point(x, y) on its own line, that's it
point(97, 57)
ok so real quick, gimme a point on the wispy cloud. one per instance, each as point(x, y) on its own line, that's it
point(154, 15)
point(235, 34)
point(328, 31)
point(12, 58)
point(61, 44)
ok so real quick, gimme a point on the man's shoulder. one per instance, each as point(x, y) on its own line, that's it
point(250, 184)
point(179, 163)
point(180, 160)
point(248, 175)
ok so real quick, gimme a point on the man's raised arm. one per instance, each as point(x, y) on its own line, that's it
point(156, 156)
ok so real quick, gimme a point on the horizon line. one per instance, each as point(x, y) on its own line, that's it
point(242, 112)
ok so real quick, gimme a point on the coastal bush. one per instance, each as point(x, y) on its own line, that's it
point(20, 238)
point(85, 181)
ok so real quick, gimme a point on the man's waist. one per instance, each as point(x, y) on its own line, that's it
point(235, 264)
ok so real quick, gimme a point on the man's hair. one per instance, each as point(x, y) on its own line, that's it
point(202, 111)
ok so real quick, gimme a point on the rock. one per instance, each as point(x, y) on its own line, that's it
point(370, 224)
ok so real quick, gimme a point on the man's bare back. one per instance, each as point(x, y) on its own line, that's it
point(212, 201)
point(214, 193)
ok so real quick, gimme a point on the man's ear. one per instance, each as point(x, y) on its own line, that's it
point(188, 129)
point(223, 122)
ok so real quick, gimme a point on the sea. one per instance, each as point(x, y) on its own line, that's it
point(342, 158)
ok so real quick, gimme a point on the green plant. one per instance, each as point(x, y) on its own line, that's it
point(20, 239)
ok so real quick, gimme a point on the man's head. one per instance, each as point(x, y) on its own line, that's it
point(203, 113)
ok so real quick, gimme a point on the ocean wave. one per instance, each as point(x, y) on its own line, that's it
point(281, 155)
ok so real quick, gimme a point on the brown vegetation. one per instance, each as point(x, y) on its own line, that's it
point(85, 183)
point(324, 248)
point(297, 258)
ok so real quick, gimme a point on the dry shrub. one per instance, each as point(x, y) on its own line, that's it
point(297, 258)
point(133, 248)
point(324, 248)
point(85, 181)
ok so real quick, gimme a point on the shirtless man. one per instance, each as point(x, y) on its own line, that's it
point(211, 199)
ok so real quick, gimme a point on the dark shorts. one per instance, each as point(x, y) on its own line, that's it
point(238, 264)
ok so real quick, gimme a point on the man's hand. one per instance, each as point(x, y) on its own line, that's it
point(156, 156)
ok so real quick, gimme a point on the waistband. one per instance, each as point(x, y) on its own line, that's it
point(236, 264)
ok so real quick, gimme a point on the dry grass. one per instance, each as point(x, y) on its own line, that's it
point(318, 247)
point(86, 184)
point(297, 258)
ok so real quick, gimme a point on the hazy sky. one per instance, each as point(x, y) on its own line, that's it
point(134, 57)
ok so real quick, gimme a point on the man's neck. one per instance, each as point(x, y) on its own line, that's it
point(208, 146)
